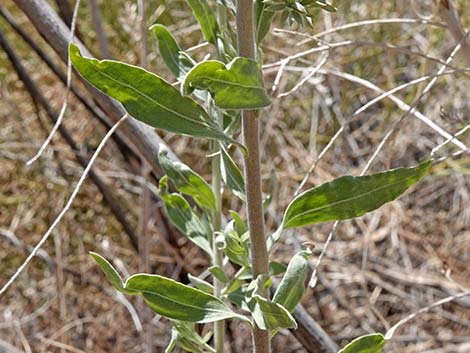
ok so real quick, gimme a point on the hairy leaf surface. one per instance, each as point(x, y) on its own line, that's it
point(263, 19)
point(372, 343)
point(147, 97)
point(292, 286)
point(348, 196)
point(271, 316)
point(187, 181)
point(187, 220)
point(178, 301)
point(239, 85)
point(177, 61)
point(231, 175)
point(206, 18)
point(110, 273)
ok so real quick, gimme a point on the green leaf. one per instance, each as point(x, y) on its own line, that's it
point(173, 341)
point(348, 196)
point(219, 273)
point(206, 19)
point(186, 220)
point(240, 225)
point(231, 175)
point(276, 268)
point(201, 284)
point(236, 249)
point(187, 181)
point(272, 190)
point(229, 4)
point(179, 302)
point(189, 346)
point(263, 19)
point(270, 316)
point(323, 4)
point(110, 273)
point(147, 97)
point(292, 287)
point(372, 343)
point(178, 63)
point(238, 298)
point(239, 85)
point(188, 338)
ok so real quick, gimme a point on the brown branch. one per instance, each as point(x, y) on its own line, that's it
point(451, 17)
point(122, 142)
point(37, 96)
point(311, 335)
point(56, 33)
point(66, 14)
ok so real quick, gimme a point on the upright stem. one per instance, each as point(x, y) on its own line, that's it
point(259, 252)
point(219, 327)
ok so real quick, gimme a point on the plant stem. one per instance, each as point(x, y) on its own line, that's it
point(219, 327)
point(259, 252)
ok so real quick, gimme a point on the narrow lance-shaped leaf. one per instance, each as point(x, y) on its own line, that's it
point(276, 268)
point(189, 346)
point(187, 181)
point(292, 286)
point(372, 343)
point(272, 190)
point(111, 274)
point(219, 273)
point(348, 196)
point(205, 17)
point(239, 85)
point(178, 301)
point(188, 338)
point(239, 224)
point(172, 54)
point(147, 97)
point(236, 250)
point(323, 4)
point(263, 19)
point(270, 316)
point(201, 284)
point(186, 220)
point(231, 175)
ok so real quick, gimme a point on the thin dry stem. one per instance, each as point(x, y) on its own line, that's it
point(65, 209)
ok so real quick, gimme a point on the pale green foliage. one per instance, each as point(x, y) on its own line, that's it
point(237, 85)
point(292, 287)
point(147, 97)
point(372, 343)
point(349, 197)
point(225, 88)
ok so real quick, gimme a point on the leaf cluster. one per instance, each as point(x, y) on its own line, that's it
point(209, 90)
point(301, 12)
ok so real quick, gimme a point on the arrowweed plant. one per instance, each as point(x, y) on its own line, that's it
point(217, 99)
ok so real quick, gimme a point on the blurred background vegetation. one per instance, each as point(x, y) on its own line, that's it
point(378, 269)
